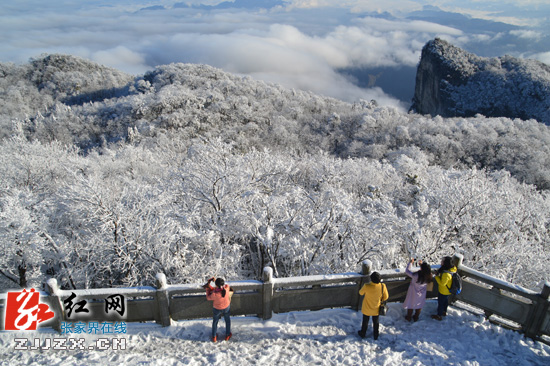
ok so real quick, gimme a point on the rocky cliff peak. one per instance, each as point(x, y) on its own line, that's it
point(454, 83)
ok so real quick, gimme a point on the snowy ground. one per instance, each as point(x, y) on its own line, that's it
point(327, 337)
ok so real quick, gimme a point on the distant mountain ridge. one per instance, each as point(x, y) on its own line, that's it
point(451, 82)
point(75, 102)
point(237, 4)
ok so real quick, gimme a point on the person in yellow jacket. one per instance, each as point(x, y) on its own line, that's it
point(444, 279)
point(374, 294)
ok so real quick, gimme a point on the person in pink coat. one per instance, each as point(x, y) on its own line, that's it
point(416, 294)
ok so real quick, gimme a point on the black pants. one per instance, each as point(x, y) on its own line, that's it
point(375, 325)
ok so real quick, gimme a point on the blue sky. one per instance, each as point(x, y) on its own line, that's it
point(316, 45)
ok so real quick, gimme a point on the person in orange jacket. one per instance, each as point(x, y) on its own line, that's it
point(444, 279)
point(220, 295)
point(374, 294)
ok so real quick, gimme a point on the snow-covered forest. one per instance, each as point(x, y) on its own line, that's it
point(107, 179)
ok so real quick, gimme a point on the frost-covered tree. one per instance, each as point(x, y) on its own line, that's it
point(20, 238)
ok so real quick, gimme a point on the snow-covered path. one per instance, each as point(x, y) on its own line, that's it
point(326, 337)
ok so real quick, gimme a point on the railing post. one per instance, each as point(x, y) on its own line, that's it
point(533, 325)
point(366, 268)
point(457, 260)
point(267, 293)
point(53, 293)
point(163, 301)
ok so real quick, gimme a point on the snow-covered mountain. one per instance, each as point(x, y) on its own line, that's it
point(454, 83)
point(76, 102)
point(108, 179)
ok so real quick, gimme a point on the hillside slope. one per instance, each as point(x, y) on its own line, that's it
point(56, 99)
point(34, 88)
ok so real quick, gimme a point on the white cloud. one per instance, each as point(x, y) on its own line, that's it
point(277, 56)
point(121, 57)
point(527, 34)
point(542, 57)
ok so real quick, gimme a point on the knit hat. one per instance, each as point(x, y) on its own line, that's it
point(375, 277)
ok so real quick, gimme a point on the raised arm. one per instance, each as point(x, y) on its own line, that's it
point(408, 270)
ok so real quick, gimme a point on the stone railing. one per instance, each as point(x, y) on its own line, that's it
point(502, 302)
